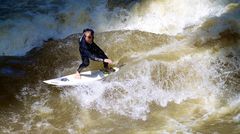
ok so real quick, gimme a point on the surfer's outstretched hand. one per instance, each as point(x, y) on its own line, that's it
point(77, 75)
point(108, 61)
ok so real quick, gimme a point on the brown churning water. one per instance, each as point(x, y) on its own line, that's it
point(182, 69)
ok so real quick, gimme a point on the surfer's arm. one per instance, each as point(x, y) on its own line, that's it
point(85, 52)
point(98, 50)
point(97, 59)
point(91, 56)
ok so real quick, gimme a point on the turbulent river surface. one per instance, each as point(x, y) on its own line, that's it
point(181, 72)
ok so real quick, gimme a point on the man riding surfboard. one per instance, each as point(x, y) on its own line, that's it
point(89, 50)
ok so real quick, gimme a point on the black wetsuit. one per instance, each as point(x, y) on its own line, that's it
point(90, 51)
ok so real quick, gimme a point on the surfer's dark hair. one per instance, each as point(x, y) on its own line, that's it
point(89, 30)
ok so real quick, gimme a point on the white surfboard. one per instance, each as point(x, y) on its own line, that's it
point(71, 80)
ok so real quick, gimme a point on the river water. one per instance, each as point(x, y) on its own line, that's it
point(181, 72)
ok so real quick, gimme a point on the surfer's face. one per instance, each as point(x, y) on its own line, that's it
point(88, 37)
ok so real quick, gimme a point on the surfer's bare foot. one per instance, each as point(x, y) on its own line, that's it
point(77, 75)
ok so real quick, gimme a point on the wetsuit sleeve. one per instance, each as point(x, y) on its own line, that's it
point(99, 51)
point(93, 57)
point(84, 51)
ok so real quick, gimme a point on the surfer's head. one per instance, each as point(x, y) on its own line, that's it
point(88, 35)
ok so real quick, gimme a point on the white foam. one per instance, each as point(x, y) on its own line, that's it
point(236, 118)
point(170, 17)
point(20, 34)
point(132, 93)
point(212, 28)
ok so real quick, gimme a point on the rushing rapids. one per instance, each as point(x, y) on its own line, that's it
point(181, 73)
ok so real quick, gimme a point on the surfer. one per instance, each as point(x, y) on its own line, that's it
point(89, 50)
